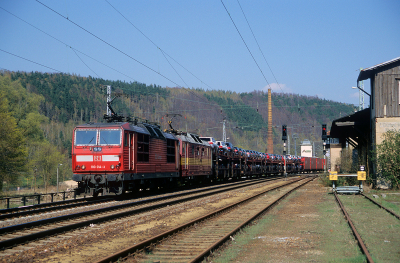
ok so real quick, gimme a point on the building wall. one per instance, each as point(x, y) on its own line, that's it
point(387, 93)
point(383, 125)
point(335, 152)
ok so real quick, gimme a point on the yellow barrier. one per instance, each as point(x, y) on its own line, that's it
point(361, 175)
point(333, 176)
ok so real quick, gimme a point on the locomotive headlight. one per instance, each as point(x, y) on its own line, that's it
point(112, 167)
point(83, 167)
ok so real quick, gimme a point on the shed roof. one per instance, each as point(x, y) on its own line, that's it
point(355, 126)
point(368, 72)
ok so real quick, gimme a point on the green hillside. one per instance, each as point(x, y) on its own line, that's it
point(58, 102)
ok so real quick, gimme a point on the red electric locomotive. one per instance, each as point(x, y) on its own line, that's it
point(115, 157)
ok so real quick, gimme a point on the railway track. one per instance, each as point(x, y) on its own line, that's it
point(368, 240)
point(25, 211)
point(194, 241)
point(29, 214)
point(49, 207)
point(16, 237)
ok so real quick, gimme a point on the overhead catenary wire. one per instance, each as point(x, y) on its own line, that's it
point(173, 67)
point(245, 43)
point(259, 45)
point(85, 63)
point(30, 60)
point(224, 107)
point(74, 49)
point(110, 45)
point(164, 53)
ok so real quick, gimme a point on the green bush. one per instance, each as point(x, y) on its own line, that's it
point(387, 158)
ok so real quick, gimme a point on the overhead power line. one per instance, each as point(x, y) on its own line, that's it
point(245, 43)
point(164, 53)
point(259, 45)
point(105, 42)
point(30, 60)
point(85, 63)
point(74, 49)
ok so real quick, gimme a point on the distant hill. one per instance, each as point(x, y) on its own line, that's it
point(71, 100)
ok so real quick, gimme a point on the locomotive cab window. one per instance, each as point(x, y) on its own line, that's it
point(110, 137)
point(85, 137)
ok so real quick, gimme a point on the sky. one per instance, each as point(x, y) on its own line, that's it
point(312, 48)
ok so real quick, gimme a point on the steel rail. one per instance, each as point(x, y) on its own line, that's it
point(227, 237)
point(31, 210)
point(22, 239)
point(146, 243)
point(353, 228)
point(16, 210)
point(381, 206)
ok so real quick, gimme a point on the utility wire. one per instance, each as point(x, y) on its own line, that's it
point(259, 46)
point(245, 43)
point(156, 44)
point(85, 63)
point(224, 107)
point(173, 67)
point(164, 54)
point(105, 42)
point(30, 60)
point(74, 49)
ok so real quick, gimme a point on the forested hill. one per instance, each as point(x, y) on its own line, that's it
point(39, 111)
point(71, 98)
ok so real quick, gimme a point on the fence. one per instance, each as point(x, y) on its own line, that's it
point(35, 199)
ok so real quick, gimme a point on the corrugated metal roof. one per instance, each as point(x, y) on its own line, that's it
point(367, 72)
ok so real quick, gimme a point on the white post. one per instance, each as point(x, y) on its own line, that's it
point(57, 175)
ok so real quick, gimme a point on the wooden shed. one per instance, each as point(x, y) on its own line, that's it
point(363, 130)
point(385, 88)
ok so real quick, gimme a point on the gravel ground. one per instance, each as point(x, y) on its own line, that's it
point(98, 241)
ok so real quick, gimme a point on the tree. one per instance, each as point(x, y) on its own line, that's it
point(12, 147)
point(388, 158)
point(46, 157)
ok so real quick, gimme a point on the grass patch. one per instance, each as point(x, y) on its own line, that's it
point(379, 229)
point(311, 222)
point(338, 241)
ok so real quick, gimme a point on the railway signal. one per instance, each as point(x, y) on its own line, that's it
point(324, 136)
point(284, 133)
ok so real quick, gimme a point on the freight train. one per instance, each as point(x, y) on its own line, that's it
point(118, 156)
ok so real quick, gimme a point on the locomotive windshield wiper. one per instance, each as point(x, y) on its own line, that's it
point(90, 140)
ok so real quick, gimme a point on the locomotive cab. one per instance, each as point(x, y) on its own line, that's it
point(118, 157)
point(97, 161)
